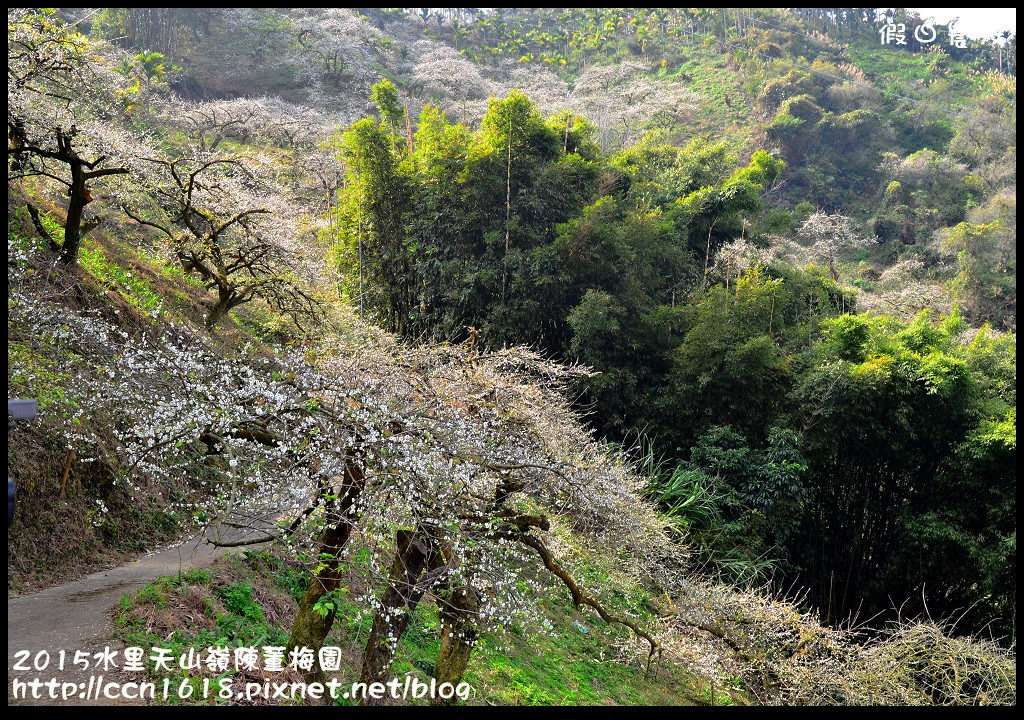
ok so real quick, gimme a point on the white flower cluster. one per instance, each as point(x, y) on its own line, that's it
point(829, 235)
point(441, 73)
point(248, 120)
point(256, 436)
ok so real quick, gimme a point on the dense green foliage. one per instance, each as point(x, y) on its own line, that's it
point(809, 443)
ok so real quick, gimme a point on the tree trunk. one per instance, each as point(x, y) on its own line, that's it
point(225, 301)
point(73, 224)
point(413, 554)
point(459, 633)
point(311, 627)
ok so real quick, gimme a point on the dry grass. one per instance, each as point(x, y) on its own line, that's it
point(781, 656)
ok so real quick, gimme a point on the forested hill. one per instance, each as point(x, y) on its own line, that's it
point(907, 141)
point(699, 319)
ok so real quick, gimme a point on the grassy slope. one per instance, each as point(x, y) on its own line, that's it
point(61, 528)
point(251, 600)
point(726, 108)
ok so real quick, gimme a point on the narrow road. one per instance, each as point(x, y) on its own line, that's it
point(76, 616)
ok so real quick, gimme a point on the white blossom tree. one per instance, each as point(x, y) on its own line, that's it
point(621, 100)
point(442, 74)
point(58, 118)
point(247, 120)
point(828, 236)
point(456, 464)
point(336, 55)
point(229, 224)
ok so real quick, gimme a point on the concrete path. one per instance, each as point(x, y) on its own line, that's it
point(77, 616)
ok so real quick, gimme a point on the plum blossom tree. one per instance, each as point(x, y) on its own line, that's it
point(444, 470)
point(829, 236)
point(334, 46)
point(247, 120)
point(478, 499)
point(228, 224)
point(443, 74)
point(312, 171)
point(56, 100)
point(620, 100)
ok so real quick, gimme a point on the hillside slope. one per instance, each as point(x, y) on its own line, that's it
point(183, 245)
